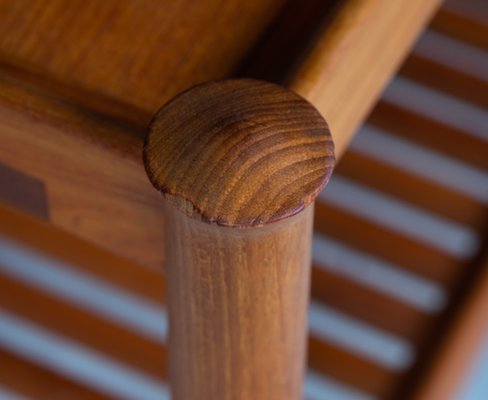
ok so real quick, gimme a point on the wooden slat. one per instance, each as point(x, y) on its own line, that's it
point(77, 324)
point(462, 27)
point(421, 192)
point(150, 284)
point(81, 255)
point(337, 76)
point(36, 382)
point(350, 369)
point(383, 243)
point(368, 305)
point(428, 132)
point(447, 79)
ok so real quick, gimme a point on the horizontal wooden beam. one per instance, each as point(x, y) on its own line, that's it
point(91, 167)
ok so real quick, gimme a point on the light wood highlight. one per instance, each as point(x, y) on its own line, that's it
point(354, 58)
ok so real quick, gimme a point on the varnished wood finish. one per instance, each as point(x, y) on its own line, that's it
point(90, 188)
point(239, 163)
point(139, 53)
point(239, 153)
point(46, 112)
point(354, 57)
point(62, 126)
point(237, 301)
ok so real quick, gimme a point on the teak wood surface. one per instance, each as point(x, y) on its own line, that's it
point(99, 190)
point(239, 164)
point(49, 103)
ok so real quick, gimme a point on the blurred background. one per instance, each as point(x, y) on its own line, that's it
point(399, 305)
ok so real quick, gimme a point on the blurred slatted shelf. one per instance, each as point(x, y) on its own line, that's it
point(24, 378)
point(399, 230)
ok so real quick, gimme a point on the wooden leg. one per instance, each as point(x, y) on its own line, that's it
point(239, 164)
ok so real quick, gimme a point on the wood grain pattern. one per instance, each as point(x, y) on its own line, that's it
point(237, 301)
point(99, 191)
point(239, 163)
point(119, 343)
point(137, 52)
point(42, 119)
point(239, 153)
point(353, 58)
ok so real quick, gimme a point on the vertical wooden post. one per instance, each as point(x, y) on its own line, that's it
point(239, 164)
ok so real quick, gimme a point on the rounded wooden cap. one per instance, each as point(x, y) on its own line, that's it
point(239, 153)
